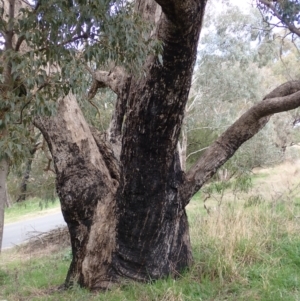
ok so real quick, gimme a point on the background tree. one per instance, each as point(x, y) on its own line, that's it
point(220, 92)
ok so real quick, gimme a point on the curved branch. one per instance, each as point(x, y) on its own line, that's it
point(284, 89)
point(284, 98)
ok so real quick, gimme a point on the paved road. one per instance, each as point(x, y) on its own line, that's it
point(16, 233)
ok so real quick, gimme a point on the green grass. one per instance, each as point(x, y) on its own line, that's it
point(29, 209)
point(240, 253)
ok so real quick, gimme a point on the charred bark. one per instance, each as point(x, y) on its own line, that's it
point(152, 229)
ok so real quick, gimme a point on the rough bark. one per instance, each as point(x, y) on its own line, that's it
point(3, 195)
point(153, 235)
point(86, 189)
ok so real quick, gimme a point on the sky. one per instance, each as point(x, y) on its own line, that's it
point(244, 4)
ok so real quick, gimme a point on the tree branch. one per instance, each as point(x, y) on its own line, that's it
point(179, 12)
point(289, 25)
point(114, 79)
point(284, 98)
point(20, 40)
point(72, 40)
point(27, 3)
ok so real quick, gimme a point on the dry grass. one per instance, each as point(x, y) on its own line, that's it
point(278, 182)
point(240, 232)
point(239, 236)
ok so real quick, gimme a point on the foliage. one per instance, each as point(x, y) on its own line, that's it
point(101, 31)
point(227, 78)
point(281, 14)
point(54, 44)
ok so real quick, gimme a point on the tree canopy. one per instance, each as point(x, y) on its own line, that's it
point(52, 47)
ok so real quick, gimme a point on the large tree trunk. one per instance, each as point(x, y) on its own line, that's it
point(152, 229)
point(133, 225)
point(3, 195)
point(124, 198)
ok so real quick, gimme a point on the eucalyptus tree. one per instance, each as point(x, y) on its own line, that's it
point(123, 193)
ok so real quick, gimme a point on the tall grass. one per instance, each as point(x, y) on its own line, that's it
point(229, 239)
point(235, 246)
